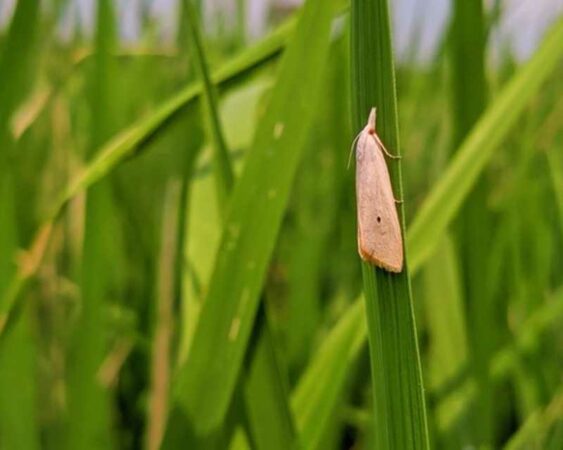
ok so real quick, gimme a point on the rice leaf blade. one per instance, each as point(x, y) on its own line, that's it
point(205, 385)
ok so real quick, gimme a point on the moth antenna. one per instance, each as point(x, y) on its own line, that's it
point(352, 149)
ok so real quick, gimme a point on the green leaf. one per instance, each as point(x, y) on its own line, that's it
point(448, 347)
point(165, 296)
point(18, 388)
point(468, 80)
point(267, 410)
point(224, 177)
point(400, 412)
point(16, 67)
point(17, 63)
point(88, 428)
point(555, 161)
point(207, 380)
point(18, 359)
point(321, 385)
point(474, 226)
point(265, 395)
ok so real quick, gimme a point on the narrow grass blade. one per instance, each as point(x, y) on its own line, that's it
point(265, 394)
point(16, 69)
point(8, 245)
point(555, 161)
point(203, 227)
point(315, 397)
point(267, 411)
point(474, 225)
point(89, 428)
point(207, 380)
point(400, 414)
point(16, 64)
point(447, 335)
point(223, 170)
point(445, 199)
point(467, 40)
point(165, 298)
point(18, 388)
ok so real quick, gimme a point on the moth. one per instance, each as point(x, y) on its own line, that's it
point(379, 233)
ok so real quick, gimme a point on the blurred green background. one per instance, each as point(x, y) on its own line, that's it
point(178, 262)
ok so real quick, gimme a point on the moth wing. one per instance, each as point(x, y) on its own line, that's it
point(379, 232)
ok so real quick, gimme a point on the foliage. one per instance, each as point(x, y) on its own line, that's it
point(178, 263)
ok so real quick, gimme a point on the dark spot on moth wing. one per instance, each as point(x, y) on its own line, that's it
point(378, 219)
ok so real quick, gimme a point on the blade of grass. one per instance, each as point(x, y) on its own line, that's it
point(267, 411)
point(165, 298)
point(203, 223)
point(16, 67)
point(449, 350)
point(16, 64)
point(474, 227)
point(18, 383)
point(314, 399)
point(468, 78)
point(316, 208)
point(89, 427)
point(400, 412)
point(205, 385)
point(555, 162)
point(224, 172)
point(18, 388)
point(8, 245)
point(202, 239)
point(265, 394)
point(223, 176)
point(314, 404)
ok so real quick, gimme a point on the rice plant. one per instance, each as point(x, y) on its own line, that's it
point(179, 263)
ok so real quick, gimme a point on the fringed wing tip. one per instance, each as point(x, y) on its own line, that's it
point(390, 267)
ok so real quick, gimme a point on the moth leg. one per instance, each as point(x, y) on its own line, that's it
point(398, 201)
point(376, 137)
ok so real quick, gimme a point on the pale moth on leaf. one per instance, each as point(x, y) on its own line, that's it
point(379, 233)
